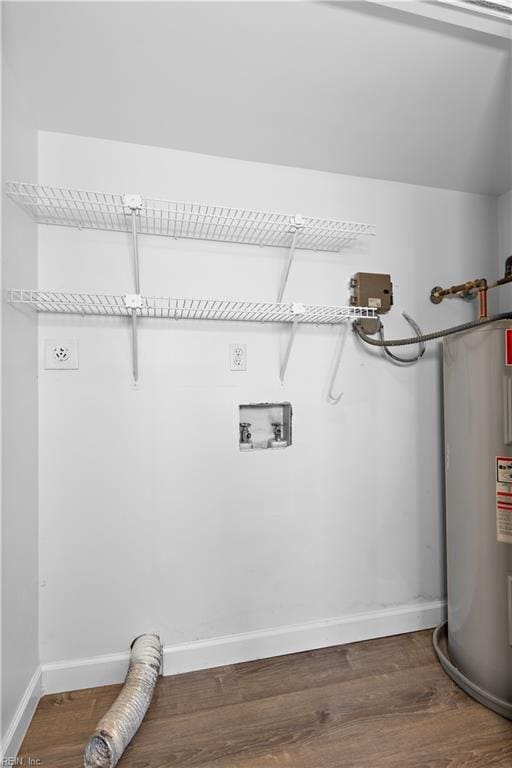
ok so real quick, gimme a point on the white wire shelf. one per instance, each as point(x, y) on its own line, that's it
point(184, 309)
point(101, 210)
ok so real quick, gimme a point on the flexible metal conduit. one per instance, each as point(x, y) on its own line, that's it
point(116, 729)
point(405, 360)
point(429, 336)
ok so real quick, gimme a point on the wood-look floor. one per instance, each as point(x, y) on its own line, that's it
point(379, 704)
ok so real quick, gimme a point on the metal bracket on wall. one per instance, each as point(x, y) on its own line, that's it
point(331, 397)
point(298, 311)
point(134, 301)
point(134, 204)
point(296, 224)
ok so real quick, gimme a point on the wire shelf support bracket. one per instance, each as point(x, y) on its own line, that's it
point(296, 224)
point(331, 397)
point(298, 311)
point(133, 203)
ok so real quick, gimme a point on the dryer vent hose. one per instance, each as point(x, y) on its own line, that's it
point(117, 728)
point(428, 336)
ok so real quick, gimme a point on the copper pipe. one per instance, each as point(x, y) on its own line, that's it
point(466, 289)
point(471, 287)
point(482, 295)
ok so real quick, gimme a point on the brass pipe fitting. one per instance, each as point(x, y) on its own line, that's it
point(466, 290)
point(471, 288)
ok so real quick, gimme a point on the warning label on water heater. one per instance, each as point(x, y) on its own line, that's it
point(504, 498)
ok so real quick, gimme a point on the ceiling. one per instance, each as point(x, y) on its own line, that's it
point(350, 87)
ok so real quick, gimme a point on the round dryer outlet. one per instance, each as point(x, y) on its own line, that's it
point(61, 354)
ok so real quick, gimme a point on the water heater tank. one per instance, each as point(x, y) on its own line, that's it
point(478, 457)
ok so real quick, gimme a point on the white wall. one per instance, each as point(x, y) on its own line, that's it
point(20, 594)
point(326, 85)
point(504, 245)
point(150, 517)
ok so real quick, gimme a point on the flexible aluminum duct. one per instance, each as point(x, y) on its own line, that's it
point(116, 729)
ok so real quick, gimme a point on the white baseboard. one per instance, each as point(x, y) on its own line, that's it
point(263, 644)
point(19, 725)
point(220, 651)
point(59, 676)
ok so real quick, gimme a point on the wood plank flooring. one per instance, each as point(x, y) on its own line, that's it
point(383, 703)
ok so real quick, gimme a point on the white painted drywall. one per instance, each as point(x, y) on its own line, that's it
point(150, 517)
point(504, 245)
point(347, 87)
point(20, 595)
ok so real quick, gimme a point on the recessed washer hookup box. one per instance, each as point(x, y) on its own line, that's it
point(264, 425)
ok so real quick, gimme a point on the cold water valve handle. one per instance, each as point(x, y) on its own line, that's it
point(245, 435)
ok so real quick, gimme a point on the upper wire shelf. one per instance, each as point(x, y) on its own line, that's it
point(184, 309)
point(109, 211)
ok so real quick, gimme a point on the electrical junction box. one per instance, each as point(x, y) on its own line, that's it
point(372, 290)
point(264, 425)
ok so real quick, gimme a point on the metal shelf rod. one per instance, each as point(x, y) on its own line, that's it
point(135, 246)
point(135, 347)
point(134, 204)
point(298, 310)
point(331, 397)
point(297, 224)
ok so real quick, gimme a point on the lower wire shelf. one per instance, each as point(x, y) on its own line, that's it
point(134, 306)
point(184, 309)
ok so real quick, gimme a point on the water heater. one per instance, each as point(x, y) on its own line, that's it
point(478, 457)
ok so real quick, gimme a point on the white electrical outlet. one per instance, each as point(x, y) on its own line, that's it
point(238, 357)
point(61, 354)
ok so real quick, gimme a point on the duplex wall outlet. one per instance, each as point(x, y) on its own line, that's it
point(238, 357)
point(61, 354)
